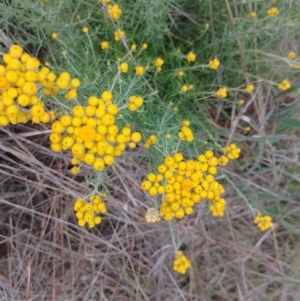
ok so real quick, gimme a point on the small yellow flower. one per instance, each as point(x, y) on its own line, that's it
point(133, 47)
point(222, 92)
point(184, 88)
point(247, 128)
point(206, 26)
point(252, 15)
point(15, 51)
point(180, 73)
point(272, 12)
point(85, 30)
point(139, 70)
point(144, 46)
point(104, 45)
point(123, 68)
point(284, 85)
point(119, 34)
point(75, 170)
point(214, 64)
point(136, 137)
point(249, 88)
point(191, 57)
point(152, 215)
point(291, 55)
point(78, 17)
point(241, 102)
point(54, 35)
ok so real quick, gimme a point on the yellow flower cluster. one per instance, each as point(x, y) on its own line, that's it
point(222, 92)
point(158, 64)
point(20, 80)
point(185, 183)
point(232, 152)
point(263, 222)
point(119, 34)
point(150, 141)
point(152, 215)
point(186, 133)
point(135, 102)
point(181, 263)
point(272, 12)
point(284, 85)
point(214, 64)
point(91, 133)
point(87, 213)
point(249, 88)
point(185, 88)
point(191, 57)
point(114, 11)
point(252, 15)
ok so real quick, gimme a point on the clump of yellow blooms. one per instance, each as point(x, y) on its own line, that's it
point(150, 141)
point(181, 263)
point(214, 64)
point(91, 133)
point(104, 45)
point(21, 78)
point(232, 152)
point(114, 11)
point(272, 12)
point(291, 55)
point(222, 92)
point(183, 183)
point(185, 133)
point(191, 57)
point(135, 102)
point(249, 88)
point(186, 88)
point(87, 213)
point(158, 64)
point(119, 34)
point(263, 222)
point(139, 70)
point(284, 85)
point(152, 215)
